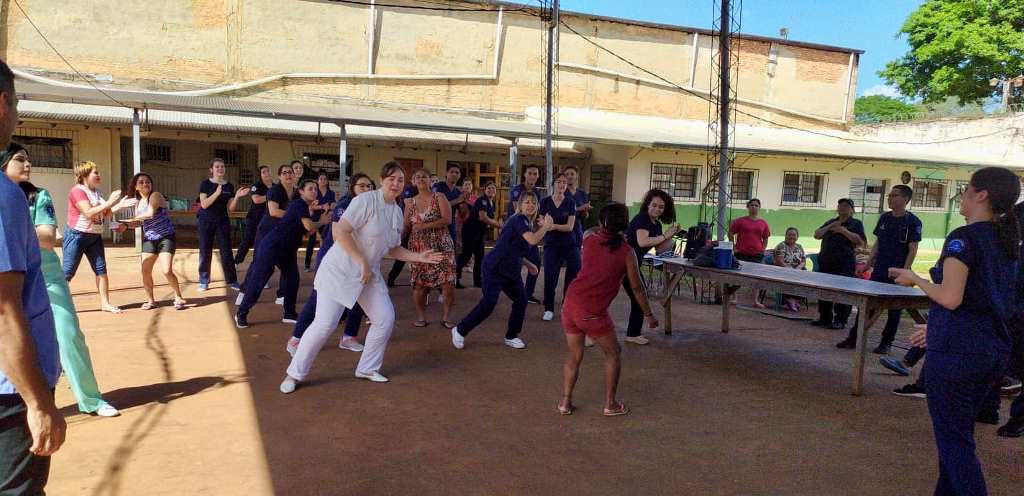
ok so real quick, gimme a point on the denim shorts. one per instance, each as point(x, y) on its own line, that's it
point(162, 245)
point(76, 244)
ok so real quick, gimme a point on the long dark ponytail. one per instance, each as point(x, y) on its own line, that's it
point(1003, 189)
point(614, 218)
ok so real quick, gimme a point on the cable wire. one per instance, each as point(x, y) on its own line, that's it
point(438, 9)
point(66, 61)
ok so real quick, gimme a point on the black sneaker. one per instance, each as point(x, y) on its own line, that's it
point(818, 323)
point(910, 391)
point(533, 299)
point(846, 344)
point(882, 349)
point(241, 322)
point(1013, 428)
point(835, 326)
point(1009, 386)
point(990, 417)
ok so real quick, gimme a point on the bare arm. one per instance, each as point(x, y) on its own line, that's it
point(274, 209)
point(206, 201)
point(645, 240)
point(777, 258)
point(258, 199)
point(90, 211)
point(19, 364)
point(821, 231)
point(535, 237)
point(949, 294)
point(446, 216)
point(636, 284)
point(911, 255)
point(47, 234)
point(852, 236)
point(234, 199)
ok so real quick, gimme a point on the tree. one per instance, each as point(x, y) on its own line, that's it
point(957, 47)
point(876, 108)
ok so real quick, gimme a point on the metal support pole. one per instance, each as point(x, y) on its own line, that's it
point(549, 90)
point(342, 155)
point(136, 165)
point(723, 121)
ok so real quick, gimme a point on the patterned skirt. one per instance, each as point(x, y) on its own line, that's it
point(433, 275)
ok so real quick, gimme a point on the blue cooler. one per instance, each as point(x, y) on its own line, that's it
point(723, 255)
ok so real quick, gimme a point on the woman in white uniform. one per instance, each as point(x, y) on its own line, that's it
point(369, 230)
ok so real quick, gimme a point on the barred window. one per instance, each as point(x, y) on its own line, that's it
point(742, 185)
point(601, 183)
point(48, 152)
point(803, 188)
point(868, 194)
point(679, 181)
point(158, 152)
point(930, 193)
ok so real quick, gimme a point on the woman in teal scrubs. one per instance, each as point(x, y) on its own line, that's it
point(74, 354)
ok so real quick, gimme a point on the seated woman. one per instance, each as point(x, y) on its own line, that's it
point(790, 254)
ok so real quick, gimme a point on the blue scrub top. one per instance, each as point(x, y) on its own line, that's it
point(276, 194)
point(451, 194)
point(560, 214)
point(482, 204)
point(328, 234)
point(514, 195)
point(323, 199)
point(257, 210)
point(979, 325)
point(219, 210)
point(581, 198)
point(289, 229)
point(642, 220)
point(19, 252)
point(893, 236)
point(506, 258)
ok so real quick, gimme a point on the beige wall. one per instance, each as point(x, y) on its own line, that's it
point(179, 44)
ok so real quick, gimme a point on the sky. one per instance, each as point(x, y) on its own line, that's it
point(869, 25)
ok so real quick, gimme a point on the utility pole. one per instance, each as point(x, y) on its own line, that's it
point(548, 103)
point(723, 119)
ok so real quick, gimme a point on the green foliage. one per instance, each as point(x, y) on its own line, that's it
point(882, 108)
point(957, 47)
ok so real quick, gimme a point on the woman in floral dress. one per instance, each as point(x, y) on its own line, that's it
point(427, 216)
point(790, 254)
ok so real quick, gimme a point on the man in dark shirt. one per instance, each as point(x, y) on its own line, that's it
point(840, 238)
point(896, 237)
point(258, 196)
point(451, 192)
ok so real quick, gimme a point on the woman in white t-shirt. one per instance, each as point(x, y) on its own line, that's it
point(369, 230)
point(84, 233)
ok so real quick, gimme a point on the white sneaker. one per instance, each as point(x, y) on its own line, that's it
point(372, 376)
point(107, 410)
point(548, 316)
point(202, 288)
point(440, 298)
point(458, 340)
point(279, 300)
point(266, 286)
point(515, 343)
point(288, 385)
point(350, 344)
point(288, 320)
point(637, 340)
point(239, 298)
point(588, 342)
point(292, 346)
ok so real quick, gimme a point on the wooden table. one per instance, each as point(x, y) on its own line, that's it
point(872, 298)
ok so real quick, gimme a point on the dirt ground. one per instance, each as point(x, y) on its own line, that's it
point(765, 409)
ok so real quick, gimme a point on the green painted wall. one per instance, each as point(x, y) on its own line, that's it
point(807, 220)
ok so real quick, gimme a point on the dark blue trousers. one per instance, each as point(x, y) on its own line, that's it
point(1017, 364)
point(352, 318)
point(219, 230)
point(957, 386)
point(472, 247)
point(554, 258)
point(493, 285)
point(531, 279)
point(249, 240)
point(271, 254)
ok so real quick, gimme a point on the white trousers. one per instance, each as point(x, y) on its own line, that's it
point(375, 302)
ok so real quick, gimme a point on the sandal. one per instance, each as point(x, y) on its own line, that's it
point(179, 304)
point(146, 306)
point(620, 409)
point(447, 324)
point(420, 323)
point(568, 410)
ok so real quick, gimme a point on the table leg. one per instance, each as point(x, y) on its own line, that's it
point(727, 292)
point(670, 289)
point(867, 319)
point(916, 315)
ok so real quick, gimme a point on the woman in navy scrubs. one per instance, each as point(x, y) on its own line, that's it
point(279, 248)
point(325, 200)
point(277, 202)
point(559, 243)
point(258, 197)
point(644, 233)
point(358, 183)
point(217, 197)
point(503, 273)
point(530, 176)
point(474, 232)
point(974, 296)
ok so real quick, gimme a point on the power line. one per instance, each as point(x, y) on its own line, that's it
point(66, 61)
point(769, 121)
point(438, 9)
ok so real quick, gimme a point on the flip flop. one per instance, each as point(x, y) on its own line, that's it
point(615, 412)
point(447, 325)
point(179, 305)
point(566, 411)
point(146, 306)
point(420, 323)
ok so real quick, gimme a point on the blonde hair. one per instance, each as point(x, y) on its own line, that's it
point(519, 205)
point(83, 169)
